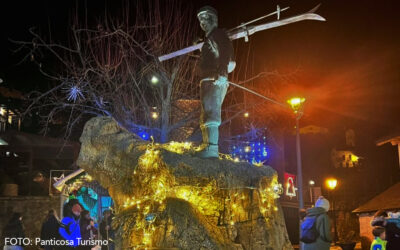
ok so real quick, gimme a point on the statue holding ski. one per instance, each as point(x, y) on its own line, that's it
point(217, 61)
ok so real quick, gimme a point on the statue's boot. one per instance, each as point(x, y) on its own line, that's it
point(210, 139)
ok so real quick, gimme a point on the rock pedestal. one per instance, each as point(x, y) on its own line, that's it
point(166, 198)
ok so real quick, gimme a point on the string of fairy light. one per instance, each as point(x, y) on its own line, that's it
point(254, 152)
point(153, 184)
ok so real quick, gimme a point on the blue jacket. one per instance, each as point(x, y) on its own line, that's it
point(71, 231)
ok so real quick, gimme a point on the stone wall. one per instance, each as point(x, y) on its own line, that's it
point(366, 230)
point(33, 210)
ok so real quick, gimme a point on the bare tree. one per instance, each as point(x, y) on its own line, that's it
point(111, 68)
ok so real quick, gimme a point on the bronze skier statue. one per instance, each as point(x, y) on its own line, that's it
point(214, 66)
point(216, 62)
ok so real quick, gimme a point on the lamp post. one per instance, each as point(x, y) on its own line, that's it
point(311, 184)
point(331, 183)
point(296, 103)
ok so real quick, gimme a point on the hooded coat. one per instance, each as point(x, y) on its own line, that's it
point(50, 229)
point(323, 227)
point(70, 229)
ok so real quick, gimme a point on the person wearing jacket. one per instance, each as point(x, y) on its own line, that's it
point(70, 231)
point(50, 228)
point(215, 64)
point(322, 225)
point(106, 231)
point(392, 230)
point(379, 242)
point(13, 229)
point(88, 231)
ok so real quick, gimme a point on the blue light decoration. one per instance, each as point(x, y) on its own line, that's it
point(254, 151)
point(74, 91)
point(144, 135)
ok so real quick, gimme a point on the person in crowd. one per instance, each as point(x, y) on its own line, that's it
point(392, 229)
point(379, 219)
point(13, 229)
point(50, 229)
point(302, 216)
point(379, 242)
point(319, 221)
point(70, 230)
point(88, 230)
point(106, 231)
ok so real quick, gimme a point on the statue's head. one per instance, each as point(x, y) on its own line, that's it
point(208, 18)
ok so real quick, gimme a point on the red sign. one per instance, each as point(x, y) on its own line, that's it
point(290, 185)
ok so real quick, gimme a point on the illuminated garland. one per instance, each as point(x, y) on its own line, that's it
point(153, 184)
point(254, 152)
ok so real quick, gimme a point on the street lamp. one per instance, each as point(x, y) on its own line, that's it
point(296, 103)
point(331, 184)
point(154, 115)
point(154, 80)
point(311, 184)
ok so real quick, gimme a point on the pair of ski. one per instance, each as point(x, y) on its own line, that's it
point(244, 31)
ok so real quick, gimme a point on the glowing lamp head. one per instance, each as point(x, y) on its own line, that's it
point(331, 183)
point(246, 114)
point(154, 80)
point(296, 103)
point(311, 183)
point(154, 115)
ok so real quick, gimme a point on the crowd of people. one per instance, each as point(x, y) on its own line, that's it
point(386, 230)
point(77, 228)
point(316, 228)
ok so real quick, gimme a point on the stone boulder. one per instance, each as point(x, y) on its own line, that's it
point(167, 198)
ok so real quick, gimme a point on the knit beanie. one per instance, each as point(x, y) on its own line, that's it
point(207, 9)
point(322, 202)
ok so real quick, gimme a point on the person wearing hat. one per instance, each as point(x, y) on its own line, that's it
point(322, 225)
point(14, 229)
point(70, 230)
point(216, 61)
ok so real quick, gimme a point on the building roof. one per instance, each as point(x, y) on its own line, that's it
point(394, 139)
point(41, 147)
point(18, 138)
point(11, 93)
point(387, 200)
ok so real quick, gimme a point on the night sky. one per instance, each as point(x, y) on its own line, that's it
point(347, 67)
